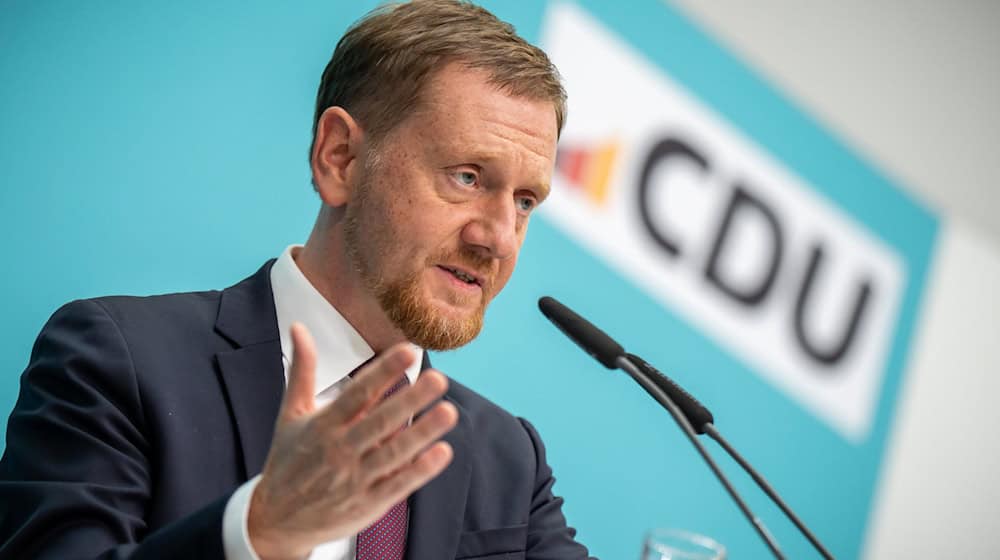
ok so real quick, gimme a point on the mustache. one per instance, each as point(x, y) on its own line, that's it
point(472, 260)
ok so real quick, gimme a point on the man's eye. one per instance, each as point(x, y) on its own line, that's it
point(466, 178)
point(526, 203)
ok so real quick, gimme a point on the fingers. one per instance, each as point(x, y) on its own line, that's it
point(407, 480)
point(370, 385)
point(300, 394)
point(332, 447)
point(389, 416)
point(405, 447)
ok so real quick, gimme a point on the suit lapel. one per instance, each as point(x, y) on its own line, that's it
point(254, 384)
point(437, 510)
point(252, 373)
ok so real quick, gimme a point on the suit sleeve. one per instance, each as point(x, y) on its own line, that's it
point(76, 476)
point(549, 537)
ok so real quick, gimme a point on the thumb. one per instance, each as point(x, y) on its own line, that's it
point(299, 395)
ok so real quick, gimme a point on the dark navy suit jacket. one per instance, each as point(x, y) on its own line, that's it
point(138, 418)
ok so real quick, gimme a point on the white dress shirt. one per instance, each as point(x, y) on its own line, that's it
point(339, 351)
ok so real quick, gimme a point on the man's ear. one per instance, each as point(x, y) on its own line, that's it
point(335, 155)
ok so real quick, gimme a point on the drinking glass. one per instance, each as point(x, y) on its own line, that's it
point(678, 544)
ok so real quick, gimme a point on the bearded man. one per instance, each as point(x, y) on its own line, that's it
point(294, 414)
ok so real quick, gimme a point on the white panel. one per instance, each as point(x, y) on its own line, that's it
point(940, 490)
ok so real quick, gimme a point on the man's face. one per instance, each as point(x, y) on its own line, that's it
point(442, 206)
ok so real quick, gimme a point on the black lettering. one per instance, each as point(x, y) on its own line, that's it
point(753, 295)
point(836, 352)
point(661, 153)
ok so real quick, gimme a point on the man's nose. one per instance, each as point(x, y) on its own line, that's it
point(494, 228)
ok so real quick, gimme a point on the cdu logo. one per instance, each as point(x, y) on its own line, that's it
point(718, 231)
point(745, 208)
point(588, 168)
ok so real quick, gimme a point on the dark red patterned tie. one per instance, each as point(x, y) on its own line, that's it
point(386, 538)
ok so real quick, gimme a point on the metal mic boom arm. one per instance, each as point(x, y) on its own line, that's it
point(661, 397)
point(701, 421)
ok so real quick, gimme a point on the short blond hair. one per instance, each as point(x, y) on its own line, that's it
point(385, 60)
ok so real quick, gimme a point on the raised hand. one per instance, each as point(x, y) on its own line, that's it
point(334, 470)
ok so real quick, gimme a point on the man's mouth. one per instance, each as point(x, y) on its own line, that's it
point(462, 275)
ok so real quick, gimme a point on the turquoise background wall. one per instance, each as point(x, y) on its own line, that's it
point(152, 148)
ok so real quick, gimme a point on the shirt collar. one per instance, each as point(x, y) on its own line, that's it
point(340, 349)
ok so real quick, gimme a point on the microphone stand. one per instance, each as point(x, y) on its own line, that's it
point(713, 433)
point(703, 423)
point(623, 363)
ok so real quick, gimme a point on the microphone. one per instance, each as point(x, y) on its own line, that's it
point(591, 339)
point(690, 414)
point(604, 349)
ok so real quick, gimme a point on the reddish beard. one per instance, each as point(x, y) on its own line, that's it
point(404, 303)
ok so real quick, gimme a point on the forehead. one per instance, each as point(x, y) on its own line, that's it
point(459, 104)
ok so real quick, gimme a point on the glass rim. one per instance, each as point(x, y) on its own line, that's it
point(707, 543)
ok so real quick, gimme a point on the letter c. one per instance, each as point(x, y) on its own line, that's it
point(662, 152)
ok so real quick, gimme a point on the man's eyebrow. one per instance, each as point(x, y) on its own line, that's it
point(481, 154)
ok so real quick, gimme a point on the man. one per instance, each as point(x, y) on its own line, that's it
point(143, 423)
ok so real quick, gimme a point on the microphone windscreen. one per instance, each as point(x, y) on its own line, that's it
point(600, 346)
